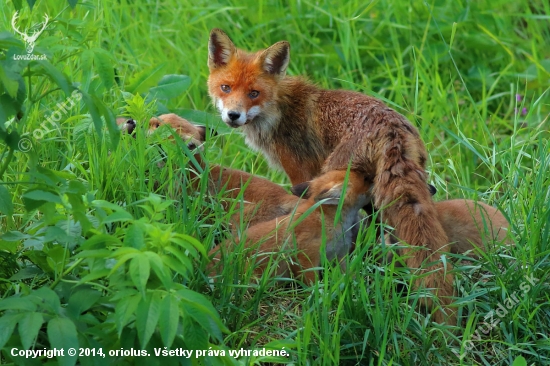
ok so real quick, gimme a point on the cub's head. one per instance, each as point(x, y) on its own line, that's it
point(242, 85)
point(194, 135)
point(330, 186)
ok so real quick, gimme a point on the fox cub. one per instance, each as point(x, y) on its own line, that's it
point(262, 199)
point(307, 228)
point(307, 130)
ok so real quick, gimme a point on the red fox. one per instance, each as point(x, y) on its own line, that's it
point(469, 223)
point(308, 231)
point(307, 130)
point(263, 200)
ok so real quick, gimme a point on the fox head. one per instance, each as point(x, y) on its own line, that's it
point(330, 187)
point(193, 134)
point(242, 85)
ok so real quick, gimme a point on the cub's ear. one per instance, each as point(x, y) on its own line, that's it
point(432, 189)
point(220, 49)
point(331, 195)
point(205, 132)
point(276, 58)
point(301, 190)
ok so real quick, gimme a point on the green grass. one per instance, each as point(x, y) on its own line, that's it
point(453, 68)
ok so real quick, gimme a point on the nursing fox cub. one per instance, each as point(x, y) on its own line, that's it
point(305, 230)
point(307, 130)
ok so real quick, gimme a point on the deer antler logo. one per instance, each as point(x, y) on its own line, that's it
point(30, 40)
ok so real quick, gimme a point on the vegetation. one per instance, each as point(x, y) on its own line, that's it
point(101, 248)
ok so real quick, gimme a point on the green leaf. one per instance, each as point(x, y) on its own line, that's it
point(104, 64)
point(82, 300)
point(31, 3)
point(171, 86)
point(7, 325)
point(42, 196)
point(160, 270)
point(62, 335)
point(124, 309)
point(17, 4)
point(73, 3)
point(110, 122)
point(169, 320)
point(200, 309)
point(29, 326)
point(48, 299)
point(86, 61)
point(17, 303)
point(134, 237)
point(145, 79)
point(94, 113)
point(56, 76)
point(10, 83)
point(519, 361)
point(147, 317)
point(139, 271)
point(119, 216)
point(6, 207)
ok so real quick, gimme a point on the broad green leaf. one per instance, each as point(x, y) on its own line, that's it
point(6, 206)
point(10, 84)
point(82, 300)
point(42, 196)
point(194, 335)
point(31, 3)
point(119, 216)
point(73, 3)
point(17, 303)
point(519, 361)
point(171, 86)
point(56, 76)
point(86, 61)
point(110, 122)
point(94, 113)
point(134, 237)
point(48, 297)
point(62, 335)
point(139, 271)
point(7, 325)
point(104, 64)
point(169, 319)
point(29, 326)
point(145, 79)
point(124, 310)
point(14, 236)
point(200, 309)
point(160, 270)
point(147, 317)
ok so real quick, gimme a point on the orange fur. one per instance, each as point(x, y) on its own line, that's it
point(278, 234)
point(470, 223)
point(307, 130)
point(262, 199)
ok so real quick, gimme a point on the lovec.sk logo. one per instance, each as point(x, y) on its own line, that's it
point(30, 40)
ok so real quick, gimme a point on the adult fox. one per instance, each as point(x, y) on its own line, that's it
point(307, 130)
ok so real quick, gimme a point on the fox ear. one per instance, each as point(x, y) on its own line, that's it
point(220, 49)
point(332, 195)
point(276, 58)
point(301, 190)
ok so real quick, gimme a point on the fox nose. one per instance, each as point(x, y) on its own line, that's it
point(233, 115)
point(130, 126)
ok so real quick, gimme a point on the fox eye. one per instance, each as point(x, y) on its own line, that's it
point(226, 88)
point(254, 94)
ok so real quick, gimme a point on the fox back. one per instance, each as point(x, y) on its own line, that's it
point(307, 228)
